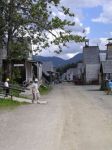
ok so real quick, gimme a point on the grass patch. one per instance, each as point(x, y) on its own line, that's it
point(15, 93)
point(9, 102)
point(44, 89)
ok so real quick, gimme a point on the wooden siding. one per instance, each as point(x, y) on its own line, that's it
point(109, 51)
point(39, 71)
point(109, 54)
point(103, 56)
point(80, 69)
point(109, 46)
point(71, 73)
point(29, 73)
point(91, 55)
point(92, 72)
point(107, 66)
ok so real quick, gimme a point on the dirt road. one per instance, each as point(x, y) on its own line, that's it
point(75, 118)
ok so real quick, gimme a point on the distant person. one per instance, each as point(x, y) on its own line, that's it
point(109, 86)
point(6, 85)
point(35, 91)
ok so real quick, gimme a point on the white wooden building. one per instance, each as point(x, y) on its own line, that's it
point(80, 70)
point(63, 77)
point(71, 74)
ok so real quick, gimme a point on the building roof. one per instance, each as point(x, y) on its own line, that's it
point(103, 51)
point(107, 66)
point(109, 44)
point(31, 61)
point(91, 55)
point(109, 39)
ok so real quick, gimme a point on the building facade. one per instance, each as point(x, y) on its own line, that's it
point(106, 66)
point(91, 62)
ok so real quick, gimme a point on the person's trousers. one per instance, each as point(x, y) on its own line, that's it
point(6, 91)
point(36, 96)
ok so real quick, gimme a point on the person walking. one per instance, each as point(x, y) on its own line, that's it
point(109, 87)
point(6, 85)
point(35, 91)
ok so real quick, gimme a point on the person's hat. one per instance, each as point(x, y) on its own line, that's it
point(7, 79)
point(36, 80)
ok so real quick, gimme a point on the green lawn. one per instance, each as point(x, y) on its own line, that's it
point(5, 103)
point(9, 102)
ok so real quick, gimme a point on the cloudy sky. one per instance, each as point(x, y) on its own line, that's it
point(95, 16)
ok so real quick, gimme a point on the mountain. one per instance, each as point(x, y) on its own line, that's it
point(75, 59)
point(58, 62)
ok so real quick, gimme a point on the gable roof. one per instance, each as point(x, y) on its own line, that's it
point(103, 51)
point(107, 66)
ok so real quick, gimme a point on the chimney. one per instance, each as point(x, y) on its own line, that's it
point(86, 42)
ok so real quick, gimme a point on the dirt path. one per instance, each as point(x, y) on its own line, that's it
point(75, 118)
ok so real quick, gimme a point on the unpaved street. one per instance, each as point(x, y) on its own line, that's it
point(75, 118)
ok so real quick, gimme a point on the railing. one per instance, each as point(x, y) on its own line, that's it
point(12, 88)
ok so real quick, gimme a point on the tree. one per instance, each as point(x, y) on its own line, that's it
point(64, 68)
point(31, 21)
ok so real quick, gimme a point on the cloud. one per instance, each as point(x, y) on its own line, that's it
point(101, 42)
point(106, 15)
point(76, 18)
point(76, 7)
point(81, 3)
point(72, 47)
point(110, 33)
point(67, 52)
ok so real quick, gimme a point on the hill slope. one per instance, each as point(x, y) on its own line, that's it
point(58, 62)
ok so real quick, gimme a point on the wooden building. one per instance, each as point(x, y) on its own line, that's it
point(91, 62)
point(80, 71)
point(22, 69)
point(71, 73)
point(109, 49)
point(48, 71)
point(106, 69)
point(106, 66)
point(103, 55)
